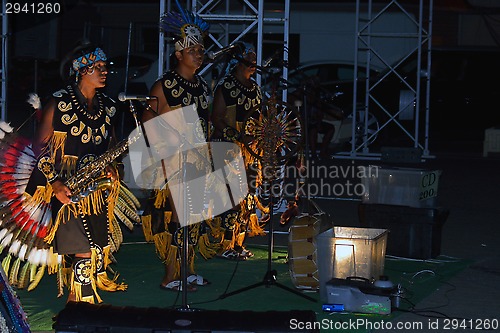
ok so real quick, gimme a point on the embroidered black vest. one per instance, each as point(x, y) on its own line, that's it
point(180, 92)
point(88, 131)
point(239, 99)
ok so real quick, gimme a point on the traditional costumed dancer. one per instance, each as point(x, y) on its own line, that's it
point(51, 216)
point(177, 88)
point(236, 96)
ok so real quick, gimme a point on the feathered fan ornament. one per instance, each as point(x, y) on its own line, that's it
point(23, 222)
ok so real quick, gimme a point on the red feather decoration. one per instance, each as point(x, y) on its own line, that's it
point(23, 220)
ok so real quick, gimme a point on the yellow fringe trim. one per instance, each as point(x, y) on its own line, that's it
point(92, 204)
point(52, 262)
point(254, 228)
point(208, 249)
point(106, 256)
point(240, 238)
point(107, 284)
point(146, 228)
point(162, 242)
point(56, 143)
point(93, 265)
point(210, 243)
point(112, 200)
point(64, 278)
point(167, 217)
point(215, 226)
point(68, 164)
point(226, 245)
point(42, 194)
point(76, 288)
point(161, 198)
point(260, 206)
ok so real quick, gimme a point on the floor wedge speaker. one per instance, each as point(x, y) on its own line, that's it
point(85, 318)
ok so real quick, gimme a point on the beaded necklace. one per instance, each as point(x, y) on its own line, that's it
point(186, 82)
point(77, 98)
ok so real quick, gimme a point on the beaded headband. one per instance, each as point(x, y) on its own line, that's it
point(244, 50)
point(87, 60)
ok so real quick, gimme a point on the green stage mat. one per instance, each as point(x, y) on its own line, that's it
point(140, 268)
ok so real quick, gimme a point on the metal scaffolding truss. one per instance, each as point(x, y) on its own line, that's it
point(3, 65)
point(234, 18)
point(414, 96)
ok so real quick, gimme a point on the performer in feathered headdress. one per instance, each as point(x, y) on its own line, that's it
point(179, 87)
point(187, 28)
point(43, 223)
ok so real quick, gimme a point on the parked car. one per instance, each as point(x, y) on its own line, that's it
point(463, 97)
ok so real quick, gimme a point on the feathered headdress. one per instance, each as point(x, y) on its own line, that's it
point(187, 28)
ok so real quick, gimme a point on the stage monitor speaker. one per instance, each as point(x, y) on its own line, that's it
point(85, 318)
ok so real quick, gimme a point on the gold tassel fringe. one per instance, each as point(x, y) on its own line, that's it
point(68, 164)
point(161, 198)
point(146, 228)
point(162, 241)
point(107, 284)
point(254, 228)
point(56, 143)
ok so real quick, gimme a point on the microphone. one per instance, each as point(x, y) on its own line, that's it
point(122, 97)
point(213, 55)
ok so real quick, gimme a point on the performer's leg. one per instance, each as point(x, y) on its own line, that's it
point(98, 226)
point(80, 288)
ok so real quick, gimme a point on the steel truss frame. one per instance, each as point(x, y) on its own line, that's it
point(417, 91)
point(226, 17)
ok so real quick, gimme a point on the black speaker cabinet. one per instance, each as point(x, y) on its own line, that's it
point(85, 318)
point(413, 232)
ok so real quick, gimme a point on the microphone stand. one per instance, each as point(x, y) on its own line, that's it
point(270, 277)
point(306, 132)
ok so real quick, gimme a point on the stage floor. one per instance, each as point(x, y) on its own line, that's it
point(142, 271)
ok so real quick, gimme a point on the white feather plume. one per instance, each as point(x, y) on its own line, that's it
point(5, 127)
point(22, 251)
point(3, 232)
point(6, 241)
point(34, 101)
point(15, 246)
